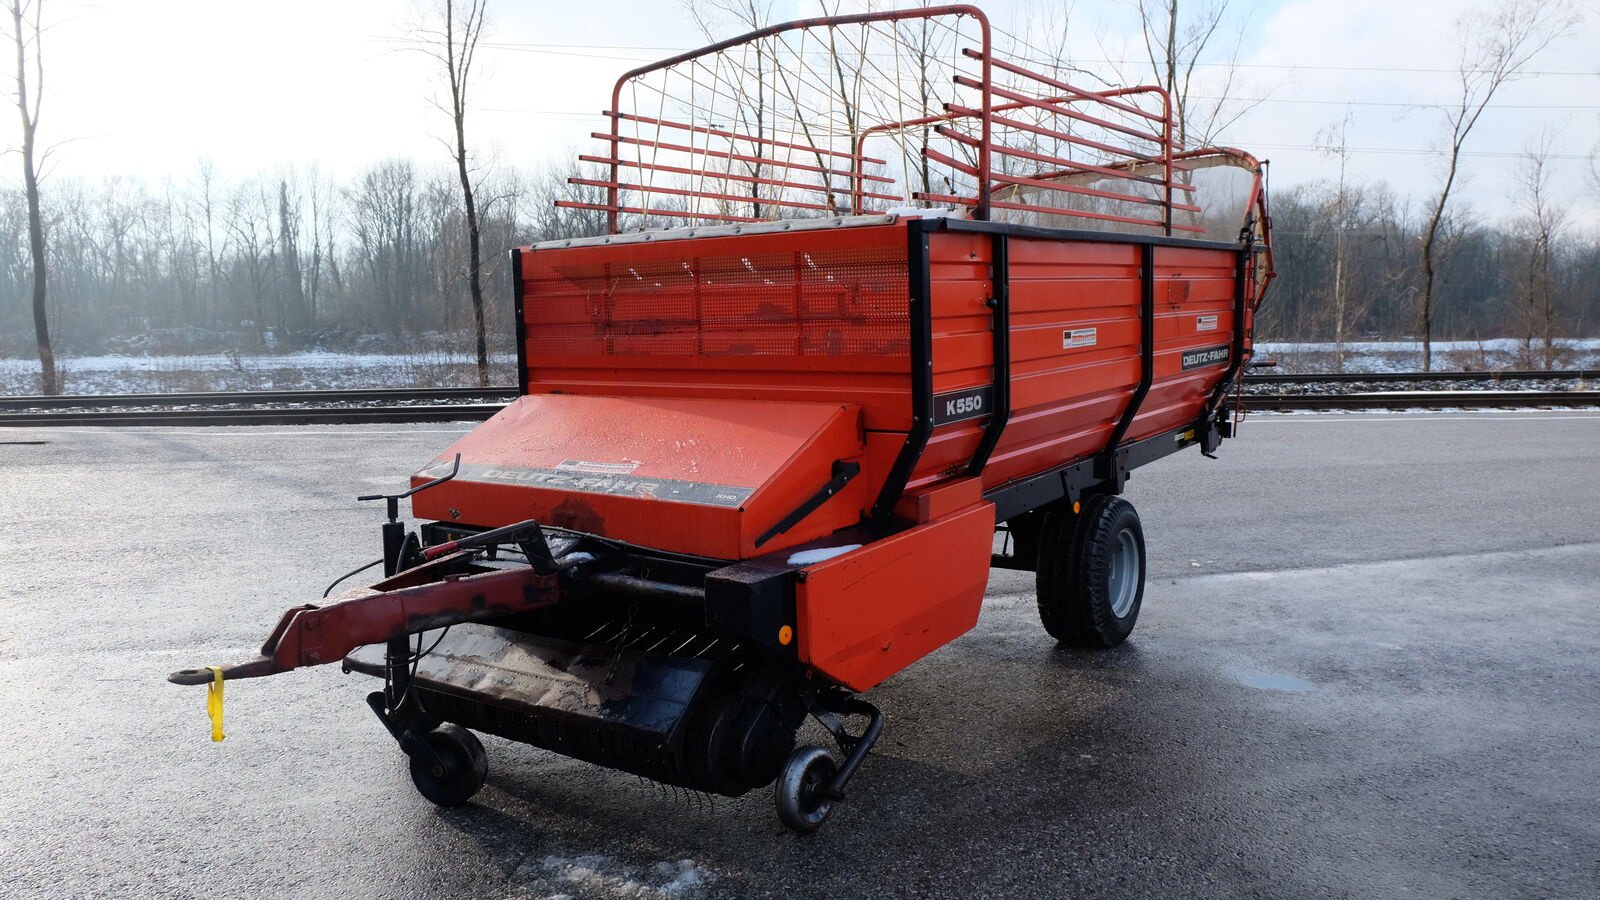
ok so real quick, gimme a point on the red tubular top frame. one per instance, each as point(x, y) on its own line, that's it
point(1045, 110)
point(615, 113)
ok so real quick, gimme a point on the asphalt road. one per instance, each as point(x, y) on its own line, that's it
point(1367, 666)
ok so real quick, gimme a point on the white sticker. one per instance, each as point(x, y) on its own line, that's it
point(1205, 323)
point(596, 468)
point(1079, 337)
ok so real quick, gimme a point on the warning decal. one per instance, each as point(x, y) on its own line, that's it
point(1079, 337)
point(596, 468)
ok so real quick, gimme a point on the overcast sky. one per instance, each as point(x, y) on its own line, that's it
point(149, 88)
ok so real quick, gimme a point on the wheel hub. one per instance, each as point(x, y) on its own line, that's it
point(1125, 576)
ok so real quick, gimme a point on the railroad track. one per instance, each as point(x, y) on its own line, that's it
point(1424, 400)
point(1424, 377)
point(471, 404)
point(303, 415)
point(217, 399)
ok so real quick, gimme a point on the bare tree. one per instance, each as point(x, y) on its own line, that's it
point(1543, 220)
point(320, 193)
point(385, 225)
point(27, 34)
point(453, 41)
point(180, 248)
point(754, 107)
point(292, 293)
point(207, 200)
point(1337, 144)
point(1176, 34)
point(1495, 48)
point(1594, 168)
point(249, 226)
point(121, 208)
point(550, 221)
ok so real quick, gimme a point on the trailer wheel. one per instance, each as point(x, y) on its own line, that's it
point(461, 771)
point(1091, 573)
point(801, 804)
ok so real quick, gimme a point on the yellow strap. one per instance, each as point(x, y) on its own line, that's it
point(214, 702)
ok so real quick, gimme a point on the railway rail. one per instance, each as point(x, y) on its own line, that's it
point(1472, 399)
point(1497, 377)
point(400, 405)
point(297, 415)
point(215, 399)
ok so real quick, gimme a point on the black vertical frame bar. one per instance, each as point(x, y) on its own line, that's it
point(397, 651)
point(1111, 468)
point(919, 290)
point(1000, 254)
point(1236, 357)
point(519, 324)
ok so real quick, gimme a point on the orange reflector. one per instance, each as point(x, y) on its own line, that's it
point(785, 635)
point(1076, 507)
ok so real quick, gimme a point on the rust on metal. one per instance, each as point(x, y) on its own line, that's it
point(311, 635)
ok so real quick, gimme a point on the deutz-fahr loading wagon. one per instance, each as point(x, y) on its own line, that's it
point(869, 309)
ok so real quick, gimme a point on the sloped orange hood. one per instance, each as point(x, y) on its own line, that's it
point(704, 477)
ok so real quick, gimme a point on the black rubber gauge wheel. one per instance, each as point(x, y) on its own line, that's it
point(1091, 572)
point(801, 805)
point(461, 770)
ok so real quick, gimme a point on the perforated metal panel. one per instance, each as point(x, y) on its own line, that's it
point(808, 303)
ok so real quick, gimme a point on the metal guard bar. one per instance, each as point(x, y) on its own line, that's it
point(1022, 89)
point(612, 205)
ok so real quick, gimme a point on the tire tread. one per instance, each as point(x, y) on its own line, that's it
point(1073, 566)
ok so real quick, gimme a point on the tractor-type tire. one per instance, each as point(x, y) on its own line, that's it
point(462, 770)
point(1091, 572)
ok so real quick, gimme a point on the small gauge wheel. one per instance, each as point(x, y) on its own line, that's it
point(461, 768)
point(802, 805)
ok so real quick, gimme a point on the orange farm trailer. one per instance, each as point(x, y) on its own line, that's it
point(864, 309)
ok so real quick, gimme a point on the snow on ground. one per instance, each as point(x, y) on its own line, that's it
point(598, 875)
point(1382, 357)
point(311, 359)
point(1430, 410)
point(124, 374)
point(1505, 345)
point(239, 372)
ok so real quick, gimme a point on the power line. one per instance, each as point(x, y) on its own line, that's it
point(555, 50)
point(1418, 69)
point(1402, 151)
point(1394, 103)
point(1316, 101)
point(1253, 100)
point(569, 50)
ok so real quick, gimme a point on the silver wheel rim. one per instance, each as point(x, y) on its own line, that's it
point(1123, 584)
point(799, 803)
